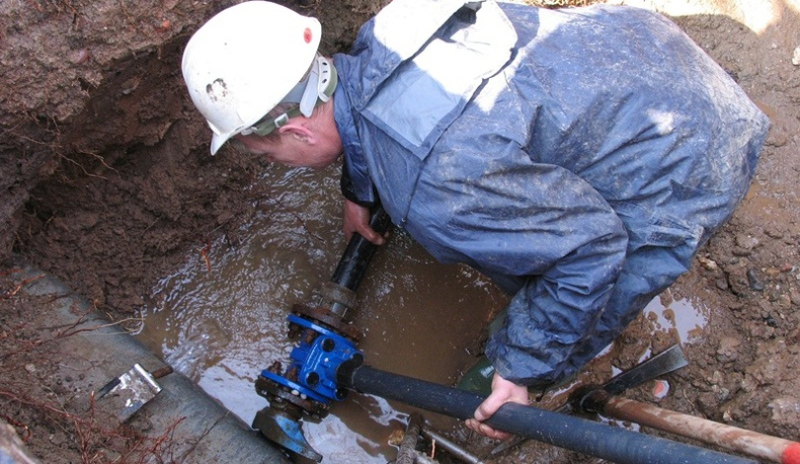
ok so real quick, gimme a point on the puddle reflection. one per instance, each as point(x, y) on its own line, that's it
point(684, 318)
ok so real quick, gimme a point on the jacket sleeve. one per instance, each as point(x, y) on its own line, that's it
point(549, 229)
point(350, 190)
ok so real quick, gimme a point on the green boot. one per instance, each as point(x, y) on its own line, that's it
point(478, 378)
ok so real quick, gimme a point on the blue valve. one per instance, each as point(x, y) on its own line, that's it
point(316, 359)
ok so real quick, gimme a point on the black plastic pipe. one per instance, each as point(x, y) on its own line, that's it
point(573, 433)
point(358, 253)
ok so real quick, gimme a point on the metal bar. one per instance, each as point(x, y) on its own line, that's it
point(450, 447)
point(755, 444)
point(663, 363)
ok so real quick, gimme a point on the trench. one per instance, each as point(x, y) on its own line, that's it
point(221, 320)
point(222, 326)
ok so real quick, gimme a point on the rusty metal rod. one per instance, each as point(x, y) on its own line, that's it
point(406, 454)
point(754, 444)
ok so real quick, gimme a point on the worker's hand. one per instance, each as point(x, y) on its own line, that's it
point(503, 391)
point(356, 219)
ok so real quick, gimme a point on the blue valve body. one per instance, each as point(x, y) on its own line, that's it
point(316, 362)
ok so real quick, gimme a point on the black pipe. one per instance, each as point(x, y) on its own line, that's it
point(573, 433)
point(359, 252)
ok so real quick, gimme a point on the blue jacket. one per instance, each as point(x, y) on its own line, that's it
point(579, 157)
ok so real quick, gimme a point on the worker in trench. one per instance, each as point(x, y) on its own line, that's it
point(579, 157)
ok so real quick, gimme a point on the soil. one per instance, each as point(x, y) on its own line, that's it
point(107, 184)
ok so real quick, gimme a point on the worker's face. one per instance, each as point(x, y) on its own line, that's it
point(290, 150)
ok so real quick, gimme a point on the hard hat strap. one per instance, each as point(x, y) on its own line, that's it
point(316, 88)
point(319, 84)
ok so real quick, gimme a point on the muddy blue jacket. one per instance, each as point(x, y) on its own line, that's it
point(579, 157)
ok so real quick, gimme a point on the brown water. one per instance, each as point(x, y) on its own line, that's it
point(221, 328)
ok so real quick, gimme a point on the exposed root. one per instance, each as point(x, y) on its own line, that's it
point(30, 397)
point(15, 290)
point(204, 254)
point(82, 168)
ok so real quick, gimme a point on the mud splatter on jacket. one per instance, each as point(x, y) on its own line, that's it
point(579, 157)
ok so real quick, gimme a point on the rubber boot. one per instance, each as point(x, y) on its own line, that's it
point(478, 378)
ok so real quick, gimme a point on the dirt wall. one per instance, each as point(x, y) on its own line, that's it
point(95, 121)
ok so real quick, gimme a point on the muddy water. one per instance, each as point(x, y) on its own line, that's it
point(222, 320)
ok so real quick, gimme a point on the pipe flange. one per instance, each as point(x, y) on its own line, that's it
point(314, 410)
point(329, 320)
point(330, 293)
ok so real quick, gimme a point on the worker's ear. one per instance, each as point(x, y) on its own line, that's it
point(298, 131)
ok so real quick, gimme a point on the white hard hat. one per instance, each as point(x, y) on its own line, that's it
point(249, 58)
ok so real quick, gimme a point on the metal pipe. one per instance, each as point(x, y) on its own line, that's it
point(420, 458)
point(451, 447)
point(359, 251)
point(748, 442)
point(324, 339)
point(587, 437)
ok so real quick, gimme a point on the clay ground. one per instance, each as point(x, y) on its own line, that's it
point(106, 184)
